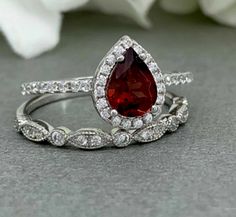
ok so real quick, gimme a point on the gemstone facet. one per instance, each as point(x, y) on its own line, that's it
point(131, 88)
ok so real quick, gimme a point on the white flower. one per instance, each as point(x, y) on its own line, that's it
point(223, 11)
point(33, 26)
point(28, 26)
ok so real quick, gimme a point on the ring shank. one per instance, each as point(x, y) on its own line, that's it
point(84, 84)
point(177, 106)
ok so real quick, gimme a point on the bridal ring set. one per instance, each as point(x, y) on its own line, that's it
point(128, 91)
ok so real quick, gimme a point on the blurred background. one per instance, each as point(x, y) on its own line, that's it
point(189, 173)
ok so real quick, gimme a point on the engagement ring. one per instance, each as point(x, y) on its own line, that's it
point(128, 91)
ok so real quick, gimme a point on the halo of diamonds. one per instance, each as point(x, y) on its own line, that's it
point(104, 70)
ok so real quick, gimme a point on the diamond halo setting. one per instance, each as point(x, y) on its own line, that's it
point(113, 59)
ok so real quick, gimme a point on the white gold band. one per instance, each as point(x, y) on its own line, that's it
point(93, 138)
point(84, 84)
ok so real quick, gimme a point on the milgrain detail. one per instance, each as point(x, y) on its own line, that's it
point(89, 138)
point(34, 132)
point(93, 138)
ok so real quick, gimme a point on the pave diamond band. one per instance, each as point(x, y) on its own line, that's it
point(93, 138)
point(84, 84)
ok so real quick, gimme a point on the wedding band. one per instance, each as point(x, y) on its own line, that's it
point(128, 91)
point(92, 138)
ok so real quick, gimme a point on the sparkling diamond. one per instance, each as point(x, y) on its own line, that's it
point(105, 114)
point(34, 87)
point(137, 123)
point(100, 92)
point(105, 69)
point(45, 87)
point(173, 123)
point(102, 80)
point(95, 140)
point(116, 121)
point(153, 67)
point(119, 51)
point(131, 88)
point(138, 49)
point(82, 140)
point(85, 86)
point(121, 139)
point(75, 86)
point(161, 88)
point(101, 103)
point(147, 118)
point(160, 99)
point(58, 138)
point(111, 59)
point(147, 134)
point(126, 124)
point(127, 42)
point(63, 86)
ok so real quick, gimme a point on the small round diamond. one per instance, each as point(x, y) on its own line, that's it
point(137, 123)
point(160, 99)
point(58, 137)
point(95, 140)
point(45, 87)
point(126, 124)
point(111, 60)
point(167, 80)
point(99, 92)
point(105, 114)
point(63, 86)
point(153, 67)
point(147, 134)
point(173, 123)
point(85, 86)
point(183, 116)
point(126, 42)
point(101, 103)
point(116, 121)
point(147, 118)
point(105, 69)
point(138, 49)
point(75, 86)
point(102, 80)
point(82, 140)
point(161, 88)
point(119, 51)
point(121, 139)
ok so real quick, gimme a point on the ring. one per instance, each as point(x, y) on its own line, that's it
point(128, 91)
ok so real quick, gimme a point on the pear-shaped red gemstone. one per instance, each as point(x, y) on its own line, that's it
point(131, 88)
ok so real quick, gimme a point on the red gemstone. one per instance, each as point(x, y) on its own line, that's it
point(131, 88)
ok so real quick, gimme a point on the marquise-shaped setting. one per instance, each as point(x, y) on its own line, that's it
point(151, 132)
point(34, 131)
point(89, 138)
point(128, 90)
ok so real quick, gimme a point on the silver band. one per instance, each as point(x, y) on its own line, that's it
point(84, 84)
point(93, 138)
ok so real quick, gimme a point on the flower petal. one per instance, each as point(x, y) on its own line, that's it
point(29, 27)
point(179, 6)
point(222, 11)
point(215, 6)
point(137, 10)
point(64, 5)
